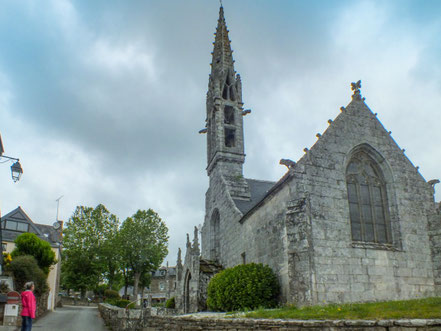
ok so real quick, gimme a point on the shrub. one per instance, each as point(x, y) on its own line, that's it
point(111, 294)
point(25, 269)
point(7, 258)
point(121, 303)
point(170, 303)
point(29, 244)
point(246, 286)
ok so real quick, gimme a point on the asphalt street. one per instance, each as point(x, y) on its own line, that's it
point(71, 318)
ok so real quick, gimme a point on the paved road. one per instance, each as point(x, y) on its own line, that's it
point(71, 318)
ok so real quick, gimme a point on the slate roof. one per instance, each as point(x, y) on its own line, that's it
point(171, 272)
point(45, 232)
point(258, 190)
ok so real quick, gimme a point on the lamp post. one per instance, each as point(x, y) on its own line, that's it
point(16, 172)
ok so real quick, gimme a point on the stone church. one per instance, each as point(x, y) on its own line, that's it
point(353, 220)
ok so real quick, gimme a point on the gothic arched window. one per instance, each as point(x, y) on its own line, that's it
point(228, 92)
point(368, 204)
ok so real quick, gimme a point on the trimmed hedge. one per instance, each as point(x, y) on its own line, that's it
point(121, 303)
point(246, 286)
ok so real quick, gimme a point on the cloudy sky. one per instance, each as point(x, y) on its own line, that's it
point(102, 100)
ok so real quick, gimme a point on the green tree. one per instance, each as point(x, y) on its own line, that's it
point(87, 245)
point(143, 238)
point(30, 244)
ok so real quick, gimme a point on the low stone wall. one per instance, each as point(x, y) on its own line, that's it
point(144, 320)
point(67, 301)
point(120, 319)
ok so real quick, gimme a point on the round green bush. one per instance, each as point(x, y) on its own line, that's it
point(246, 286)
point(170, 303)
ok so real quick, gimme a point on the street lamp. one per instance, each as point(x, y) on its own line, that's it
point(16, 169)
point(16, 172)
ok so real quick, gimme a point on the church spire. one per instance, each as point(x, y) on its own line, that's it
point(222, 53)
point(224, 122)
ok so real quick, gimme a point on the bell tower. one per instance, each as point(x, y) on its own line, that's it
point(224, 122)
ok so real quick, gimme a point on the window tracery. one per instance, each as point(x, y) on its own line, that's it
point(368, 204)
point(228, 92)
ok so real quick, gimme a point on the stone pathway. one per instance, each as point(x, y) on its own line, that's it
point(71, 318)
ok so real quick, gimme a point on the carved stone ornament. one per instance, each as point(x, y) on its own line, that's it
point(356, 88)
point(287, 162)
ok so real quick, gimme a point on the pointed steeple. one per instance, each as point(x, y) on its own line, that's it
point(222, 53)
point(224, 122)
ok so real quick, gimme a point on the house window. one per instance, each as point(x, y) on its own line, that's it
point(4, 246)
point(368, 204)
point(22, 227)
point(162, 286)
point(244, 258)
point(17, 226)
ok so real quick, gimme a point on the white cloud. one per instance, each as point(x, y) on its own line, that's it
point(116, 58)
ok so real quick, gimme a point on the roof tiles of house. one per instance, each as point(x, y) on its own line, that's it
point(258, 190)
point(45, 232)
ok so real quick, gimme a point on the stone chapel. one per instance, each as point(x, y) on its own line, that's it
point(353, 220)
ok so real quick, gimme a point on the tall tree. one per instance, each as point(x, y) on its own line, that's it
point(144, 239)
point(86, 246)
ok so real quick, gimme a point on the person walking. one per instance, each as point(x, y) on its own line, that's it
point(29, 305)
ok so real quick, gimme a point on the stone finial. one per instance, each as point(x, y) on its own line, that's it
point(287, 162)
point(196, 239)
point(356, 88)
point(179, 261)
point(188, 241)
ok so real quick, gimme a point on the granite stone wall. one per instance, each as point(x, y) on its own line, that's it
point(346, 271)
point(137, 320)
point(302, 230)
point(435, 239)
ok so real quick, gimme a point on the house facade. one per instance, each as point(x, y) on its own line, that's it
point(352, 221)
point(17, 222)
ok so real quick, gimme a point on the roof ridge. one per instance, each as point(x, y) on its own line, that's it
point(262, 180)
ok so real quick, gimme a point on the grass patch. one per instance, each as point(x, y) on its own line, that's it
point(420, 308)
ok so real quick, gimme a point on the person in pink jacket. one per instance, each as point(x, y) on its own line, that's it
point(29, 305)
